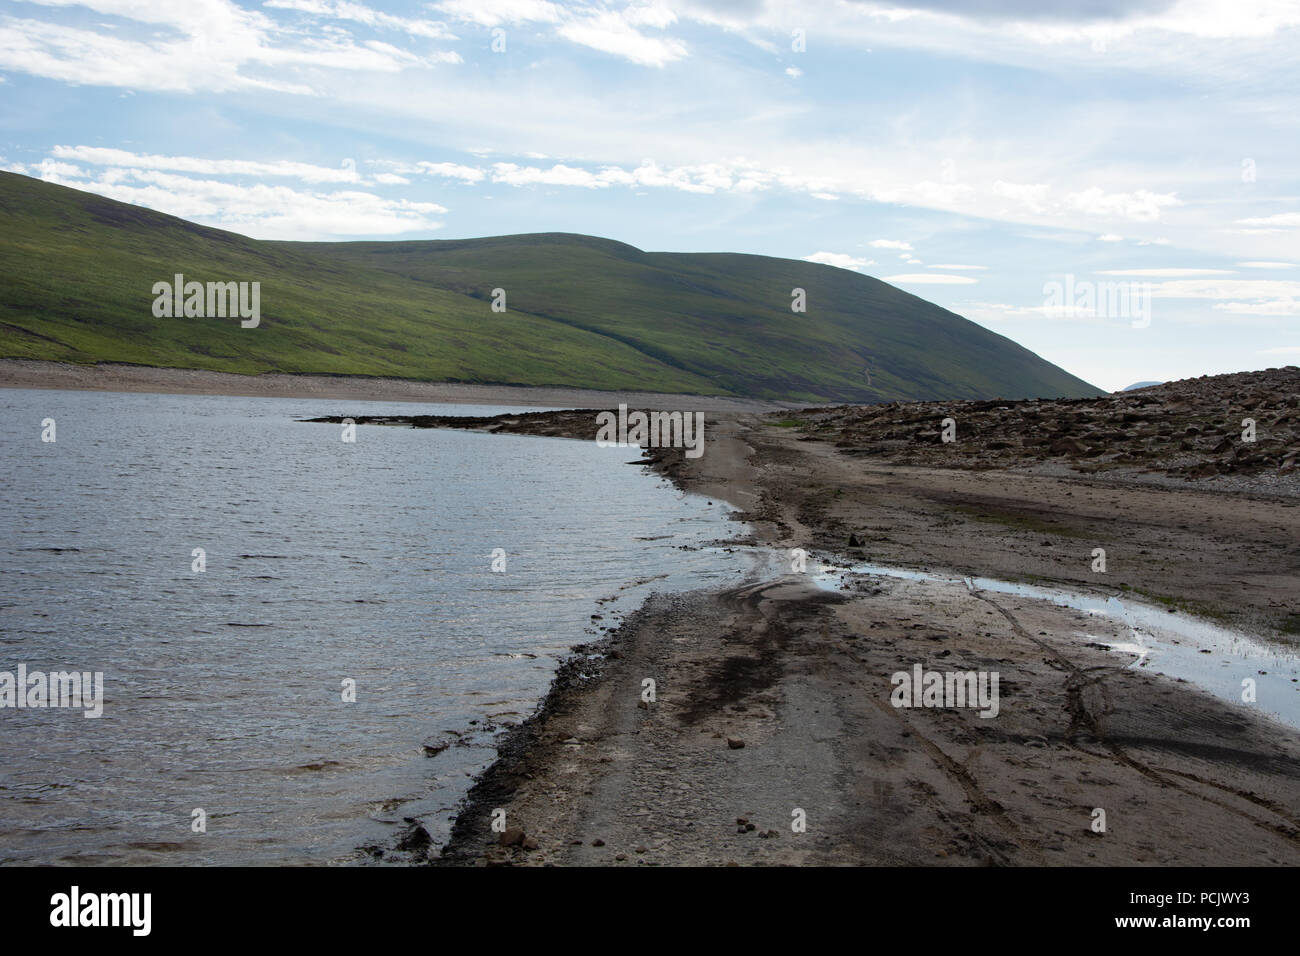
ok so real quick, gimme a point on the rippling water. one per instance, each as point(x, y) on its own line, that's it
point(325, 561)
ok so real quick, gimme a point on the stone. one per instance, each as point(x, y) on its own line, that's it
point(415, 838)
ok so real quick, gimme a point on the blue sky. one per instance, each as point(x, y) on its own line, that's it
point(973, 159)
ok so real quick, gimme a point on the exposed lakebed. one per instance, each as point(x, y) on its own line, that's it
point(1176, 645)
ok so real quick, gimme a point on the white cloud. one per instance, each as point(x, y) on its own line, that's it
point(1271, 307)
point(210, 45)
point(1166, 273)
point(557, 175)
point(650, 14)
point(948, 265)
point(469, 174)
point(1258, 289)
point(889, 244)
point(1268, 265)
point(1032, 196)
point(611, 32)
point(99, 156)
point(492, 13)
point(1282, 219)
point(930, 278)
point(614, 31)
point(359, 13)
point(840, 260)
point(1110, 237)
point(1140, 206)
point(260, 211)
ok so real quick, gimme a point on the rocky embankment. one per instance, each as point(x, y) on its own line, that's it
point(575, 423)
point(1190, 429)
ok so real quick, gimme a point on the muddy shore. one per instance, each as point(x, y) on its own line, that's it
point(772, 700)
point(116, 377)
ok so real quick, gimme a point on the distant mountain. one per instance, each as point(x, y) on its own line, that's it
point(1130, 388)
point(77, 270)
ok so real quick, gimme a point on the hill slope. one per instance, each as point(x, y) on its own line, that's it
point(77, 269)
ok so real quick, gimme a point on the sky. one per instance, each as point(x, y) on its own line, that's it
point(1114, 185)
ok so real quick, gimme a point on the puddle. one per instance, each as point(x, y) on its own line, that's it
point(1176, 645)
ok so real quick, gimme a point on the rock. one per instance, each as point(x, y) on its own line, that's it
point(735, 743)
point(598, 842)
point(1067, 446)
point(415, 838)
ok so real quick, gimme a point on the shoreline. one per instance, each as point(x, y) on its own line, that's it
point(115, 377)
point(799, 678)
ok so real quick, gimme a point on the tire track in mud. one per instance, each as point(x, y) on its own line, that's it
point(747, 601)
point(983, 804)
point(1075, 684)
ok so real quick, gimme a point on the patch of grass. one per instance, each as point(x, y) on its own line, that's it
point(77, 270)
point(1290, 624)
point(1019, 522)
point(1183, 605)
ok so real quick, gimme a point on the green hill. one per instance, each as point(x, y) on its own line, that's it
point(78, 269)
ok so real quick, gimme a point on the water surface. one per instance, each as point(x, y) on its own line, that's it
point(1181, 646)
point(325, 561)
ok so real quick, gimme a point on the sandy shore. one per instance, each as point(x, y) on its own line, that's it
point(108, 377)
point(773, 699)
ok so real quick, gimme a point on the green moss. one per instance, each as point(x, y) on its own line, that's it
point(1020, 522)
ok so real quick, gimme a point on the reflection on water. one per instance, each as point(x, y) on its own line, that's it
point(1176, 645)
point(325, 562)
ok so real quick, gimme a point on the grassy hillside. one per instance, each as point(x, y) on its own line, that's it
point(76, 272)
